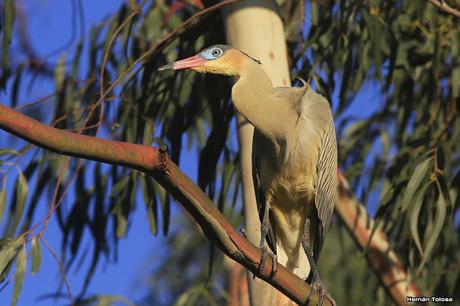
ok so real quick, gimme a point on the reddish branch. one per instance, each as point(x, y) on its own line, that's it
point(379, 254)
point(155, 162)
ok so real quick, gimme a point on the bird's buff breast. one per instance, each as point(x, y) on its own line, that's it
point(288, 192)
point(291, 202)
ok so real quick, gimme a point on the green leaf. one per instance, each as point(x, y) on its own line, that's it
point(22, 189)
point(456, 82)
point(9, 14)
point(430, 241)
point(314, 14)
point(21, 264)
point(152, 215)
point(59, 72)
point(414, 213)
point(386, 144)
point(119, 186)
point(150, 202)
point(415, 181)
point(2, 200)
point(9, 248)
point(148, 133)
point(376, 34)
point(7, 151)
point(36, 254)
point(122, 224)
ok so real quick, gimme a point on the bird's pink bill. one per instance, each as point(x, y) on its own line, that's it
point(190, 62)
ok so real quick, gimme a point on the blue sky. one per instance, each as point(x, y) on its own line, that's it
point(49, 23)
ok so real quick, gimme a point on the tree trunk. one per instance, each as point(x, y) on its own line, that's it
point(256, 28)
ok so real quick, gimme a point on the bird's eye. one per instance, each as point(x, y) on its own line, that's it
point(216, 52)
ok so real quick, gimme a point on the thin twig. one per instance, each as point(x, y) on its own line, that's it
point(445, 7)
point(61, 268)
point(45, 99)
point(106, 57)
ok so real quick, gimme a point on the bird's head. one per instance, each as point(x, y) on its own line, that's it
point(217, 59)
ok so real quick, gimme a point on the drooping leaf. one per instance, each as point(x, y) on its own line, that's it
point(22, 189)
point(2, 199)
point(417, 203)
point(36, 254)
point(21, 265)
point(150, 203)
point(415, 181)
point(9, 14)
point(119, 186)
point(9, 248)
point(438, 223)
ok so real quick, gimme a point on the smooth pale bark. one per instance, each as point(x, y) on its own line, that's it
point(256, 28)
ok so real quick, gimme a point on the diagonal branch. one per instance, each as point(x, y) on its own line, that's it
point(445, 7)
point(380, 256)
point(155, 162)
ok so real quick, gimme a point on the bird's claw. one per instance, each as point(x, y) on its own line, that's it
point(263, 259)
point(317, 286)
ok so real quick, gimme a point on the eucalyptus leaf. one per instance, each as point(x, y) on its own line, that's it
point(36, 254)
point(119, 186)
point(415, 181)
point(414, 211)
point(2, 200)
point(9, 248)
point(432, 238)
point(22, 189)
point(21, 265)
point(8, 17)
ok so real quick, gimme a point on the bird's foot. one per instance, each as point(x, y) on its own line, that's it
point(263, 259)
point(317, 286)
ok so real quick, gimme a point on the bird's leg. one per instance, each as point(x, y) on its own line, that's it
point(264, 228)
point(316, 283)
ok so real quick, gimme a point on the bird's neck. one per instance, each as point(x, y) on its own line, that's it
point(253, 98)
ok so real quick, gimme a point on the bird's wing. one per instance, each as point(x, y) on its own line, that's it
point(261, 202)
point(326, 185)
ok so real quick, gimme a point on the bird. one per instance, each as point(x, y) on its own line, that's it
point(294, 158)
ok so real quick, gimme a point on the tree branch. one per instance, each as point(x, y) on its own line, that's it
point(445, 7)
point(379, 253)
point(155, 162)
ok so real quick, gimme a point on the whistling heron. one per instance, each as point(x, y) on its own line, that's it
point(294, 157)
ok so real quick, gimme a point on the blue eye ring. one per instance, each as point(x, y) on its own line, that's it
point(212, 53)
